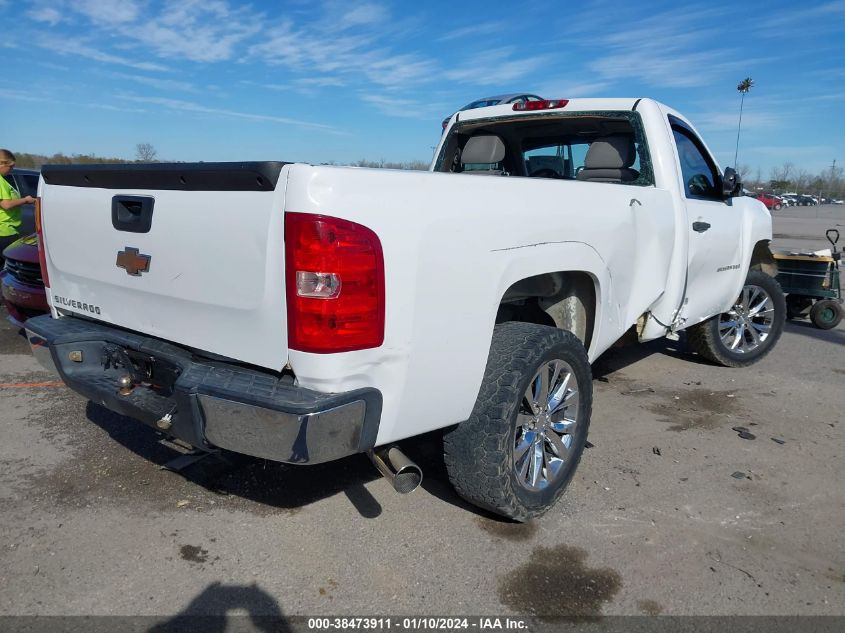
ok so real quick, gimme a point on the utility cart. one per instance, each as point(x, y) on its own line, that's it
point(811, 284)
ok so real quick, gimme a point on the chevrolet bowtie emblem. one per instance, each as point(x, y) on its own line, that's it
point(132, 261)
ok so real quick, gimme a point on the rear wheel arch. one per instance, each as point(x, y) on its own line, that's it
point(562, 299)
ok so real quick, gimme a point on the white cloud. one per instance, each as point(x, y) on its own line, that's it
point(654, 65)
point(306, 49)
point(107, 12)
point(112, 108)
point(493, 67)
point(200, 31)
point(668, 49)
point(48, 15)
point(404, 108)
point(350, 46)
point(155, 82)
point(726, 120)
point(188, 106)
point(824, 15)
point(319, 82)
point(473, 31)
point(67, 46)
point(197, 30)
point(361, 15)
point(21, 96)
point(563, 89)
point(17, 95)
point(275, 87)
point(401, 70)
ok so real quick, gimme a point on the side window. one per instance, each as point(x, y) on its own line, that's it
point(697, 169)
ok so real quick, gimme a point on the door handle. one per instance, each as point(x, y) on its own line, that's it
point(700, 227)
point(133, 214)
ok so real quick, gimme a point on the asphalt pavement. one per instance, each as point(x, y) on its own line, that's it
point(670, 512)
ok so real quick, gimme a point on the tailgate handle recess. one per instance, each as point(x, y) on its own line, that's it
point(133, 214)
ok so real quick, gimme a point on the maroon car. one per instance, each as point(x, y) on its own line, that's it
point(20, 281)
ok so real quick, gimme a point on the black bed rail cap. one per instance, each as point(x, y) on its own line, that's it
point(248, 176)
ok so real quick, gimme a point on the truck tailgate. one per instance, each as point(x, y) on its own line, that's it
point(208, 271)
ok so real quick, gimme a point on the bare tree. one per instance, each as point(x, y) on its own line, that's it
point(145, 153)
point(783, 173)
point(802, 181)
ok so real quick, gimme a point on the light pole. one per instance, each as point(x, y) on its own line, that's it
point(744, 86)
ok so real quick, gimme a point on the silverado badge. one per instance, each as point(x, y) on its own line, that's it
point(132, 261)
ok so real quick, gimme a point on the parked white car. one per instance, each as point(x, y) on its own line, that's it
point(302, 313)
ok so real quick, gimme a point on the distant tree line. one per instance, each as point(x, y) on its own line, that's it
point(146, 153)
point(35, 161)
point(829, 183)
point(386, 164)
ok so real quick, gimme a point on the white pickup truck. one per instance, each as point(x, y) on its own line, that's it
point(303, 313)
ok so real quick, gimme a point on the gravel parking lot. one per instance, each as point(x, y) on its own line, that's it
point(670, 512)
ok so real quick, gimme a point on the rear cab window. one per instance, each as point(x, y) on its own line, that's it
point(555, 146)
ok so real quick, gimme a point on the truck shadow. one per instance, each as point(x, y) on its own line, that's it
point(264, 482)
point(275, 486)
point(625, 354)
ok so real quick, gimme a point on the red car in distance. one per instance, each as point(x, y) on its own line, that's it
point(21, 285)
point(772, 202)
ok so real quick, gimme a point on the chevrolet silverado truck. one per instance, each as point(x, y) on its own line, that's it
point(303, 313)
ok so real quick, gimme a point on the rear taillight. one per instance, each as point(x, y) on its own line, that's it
point(546, 104)
point(42, 246)
point(335, 284)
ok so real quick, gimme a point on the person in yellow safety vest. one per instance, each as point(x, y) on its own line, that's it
point(10, 202)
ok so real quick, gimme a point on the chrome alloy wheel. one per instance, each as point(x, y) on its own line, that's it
point(546, 425)
point(746, 326)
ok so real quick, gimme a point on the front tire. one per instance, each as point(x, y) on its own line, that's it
point(749, 330)
point(520, 447)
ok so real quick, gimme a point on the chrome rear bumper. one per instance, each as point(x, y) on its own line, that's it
point(208, 404)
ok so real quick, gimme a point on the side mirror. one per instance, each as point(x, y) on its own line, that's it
point(731, 183)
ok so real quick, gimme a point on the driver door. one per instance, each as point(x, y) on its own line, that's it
point(714, 228)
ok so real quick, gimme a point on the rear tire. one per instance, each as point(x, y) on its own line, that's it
point(749, 331)
point(520, 447)
point(826, 314)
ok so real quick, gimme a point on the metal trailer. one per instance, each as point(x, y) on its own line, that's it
point(811, 285)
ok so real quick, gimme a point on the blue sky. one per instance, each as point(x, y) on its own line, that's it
point(339, 81)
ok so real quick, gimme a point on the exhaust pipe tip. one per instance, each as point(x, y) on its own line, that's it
point(404, 475)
